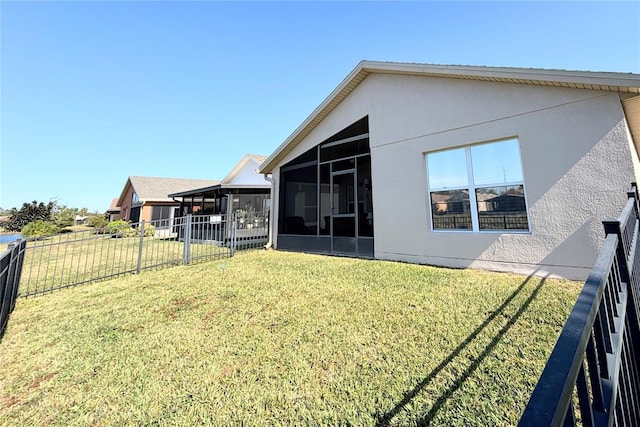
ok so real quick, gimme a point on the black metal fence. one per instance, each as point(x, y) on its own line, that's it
point(593, 375)
point(70, 259)
point(10, 269)
point(486, 221)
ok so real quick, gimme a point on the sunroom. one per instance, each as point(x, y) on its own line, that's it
point(326, 196)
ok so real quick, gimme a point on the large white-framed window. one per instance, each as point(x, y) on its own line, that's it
point(478, 188)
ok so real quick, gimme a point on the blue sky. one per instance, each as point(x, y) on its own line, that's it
point(93, 92)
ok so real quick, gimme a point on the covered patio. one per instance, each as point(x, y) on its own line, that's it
point(217, 206)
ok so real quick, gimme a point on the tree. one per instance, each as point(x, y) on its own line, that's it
point(64, 216)
point(29, 212)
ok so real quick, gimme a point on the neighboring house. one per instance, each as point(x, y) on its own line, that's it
point(147, 198)
point(113, 212)
point(503, 169)
point(241, 190)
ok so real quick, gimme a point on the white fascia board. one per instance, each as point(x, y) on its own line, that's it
point(611, 81)
point(319, 113)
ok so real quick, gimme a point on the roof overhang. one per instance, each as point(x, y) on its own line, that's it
point(605, 81)
point(196, 191)
point(631, 106)
point(220, 187)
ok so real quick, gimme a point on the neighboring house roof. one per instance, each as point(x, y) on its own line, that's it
point(243, 175)
point(113, 207)
point(518, 191)
point(460, 196)
point(627, 83)
point(155, 189)
point(440, 198)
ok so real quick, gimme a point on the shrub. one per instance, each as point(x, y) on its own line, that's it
point(149, 230)
point(119, 227)
point(97, 221)
point(123, 228)
point(40, 228)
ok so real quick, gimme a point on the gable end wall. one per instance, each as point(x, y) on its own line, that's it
point(576, 157)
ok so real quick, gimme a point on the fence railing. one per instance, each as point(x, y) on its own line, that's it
point(10, 269)
point(486, 221)
point(592, 377)
point(71, 259)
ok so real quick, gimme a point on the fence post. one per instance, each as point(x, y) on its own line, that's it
point(633, 284)
point(17, 277)
point(140, 247)
point(634, 194)
point(11, 274)
point(186, 254)
point(612, 226)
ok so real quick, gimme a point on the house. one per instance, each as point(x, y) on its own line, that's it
point(113, 213)
point(503, 169)
point(242, 192)
point(147, 198)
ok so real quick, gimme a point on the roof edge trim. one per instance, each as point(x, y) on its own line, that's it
point(591, 80)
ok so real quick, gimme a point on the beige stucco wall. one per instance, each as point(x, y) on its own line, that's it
point(577, 163)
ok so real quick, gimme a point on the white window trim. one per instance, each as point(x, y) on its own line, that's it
point(471, 187)
point(473, 205)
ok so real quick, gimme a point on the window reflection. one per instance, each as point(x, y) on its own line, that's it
point(451, 209)
point(497, 188)
point(502, 208)
point(447, 169)
point(496, 163)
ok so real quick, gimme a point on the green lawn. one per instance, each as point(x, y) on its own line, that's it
point(274, 338)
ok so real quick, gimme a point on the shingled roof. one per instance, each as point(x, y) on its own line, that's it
point(113, 207)
point(230, 180)
point(157, 189)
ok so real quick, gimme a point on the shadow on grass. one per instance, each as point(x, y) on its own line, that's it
point(385, 419)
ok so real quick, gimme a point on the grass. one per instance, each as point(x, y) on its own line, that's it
point(274, 338)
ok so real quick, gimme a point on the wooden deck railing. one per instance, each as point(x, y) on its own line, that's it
point(592, 377)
